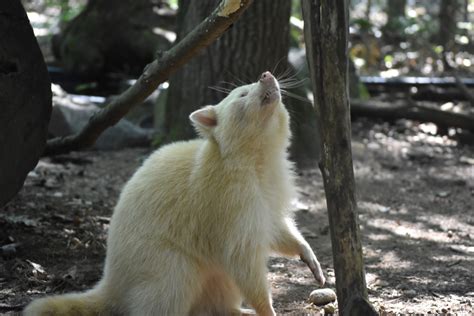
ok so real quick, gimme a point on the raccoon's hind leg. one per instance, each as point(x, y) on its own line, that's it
point(170, 288)
point(219, 296)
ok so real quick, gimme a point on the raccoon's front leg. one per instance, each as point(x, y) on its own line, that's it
point(290, 242)
point(307, 256)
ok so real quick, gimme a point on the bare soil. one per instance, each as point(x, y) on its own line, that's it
point(415, 197)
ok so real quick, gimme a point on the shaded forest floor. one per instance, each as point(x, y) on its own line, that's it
point(416, 203)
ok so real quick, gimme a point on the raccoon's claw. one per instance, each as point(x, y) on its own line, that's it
point(312, 262)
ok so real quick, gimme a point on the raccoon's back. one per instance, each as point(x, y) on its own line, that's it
point(163, 176)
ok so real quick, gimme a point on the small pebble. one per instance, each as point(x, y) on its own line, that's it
point(410, 293)
point(329, 309)
point(322, 296)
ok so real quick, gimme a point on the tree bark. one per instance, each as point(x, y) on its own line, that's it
point(25, 99)
point(110, 36)
point(259, 41)
point(395, 13)
point(447, 23)
point(154, 74)
point(326, 31)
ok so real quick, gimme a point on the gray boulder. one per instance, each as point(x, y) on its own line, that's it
point(70, 116)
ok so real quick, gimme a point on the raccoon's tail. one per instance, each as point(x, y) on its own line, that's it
point(90, 303)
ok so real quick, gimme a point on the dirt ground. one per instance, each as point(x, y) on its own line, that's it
point(416, 200)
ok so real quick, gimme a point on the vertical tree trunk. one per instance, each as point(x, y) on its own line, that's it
point(395, 13)
point(25, 99)
point(256, 43)
point(396, 9)
point(368, 8)
point(466, 11)
point(326, 28)
point(447, 23)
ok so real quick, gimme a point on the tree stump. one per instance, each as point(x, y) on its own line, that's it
point(25, 99)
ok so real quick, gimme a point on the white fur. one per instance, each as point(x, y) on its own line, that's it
point(194, 226)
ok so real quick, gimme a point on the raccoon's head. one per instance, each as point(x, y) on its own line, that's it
point(251, 117)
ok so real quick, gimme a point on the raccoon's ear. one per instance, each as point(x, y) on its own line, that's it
point(204, 120)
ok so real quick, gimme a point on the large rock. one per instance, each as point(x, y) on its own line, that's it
point(70, 117)
point(25, 99)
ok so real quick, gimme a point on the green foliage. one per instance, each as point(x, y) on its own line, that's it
point(296, 9)
point(295, 37)
point(69, 9)
point(173, 3)
point(158, 140)
point(416, 29)
point(363, 91)
point(388, 59)
point(85, 86)
point(362, 24)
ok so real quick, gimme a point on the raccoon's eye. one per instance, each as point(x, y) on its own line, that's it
point(243, 94)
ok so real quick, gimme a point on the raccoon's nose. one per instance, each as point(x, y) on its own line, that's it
point(266, 76)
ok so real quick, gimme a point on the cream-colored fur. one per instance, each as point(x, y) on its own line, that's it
point(194, 226)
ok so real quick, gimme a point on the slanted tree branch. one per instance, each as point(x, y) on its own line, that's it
point(154, 74)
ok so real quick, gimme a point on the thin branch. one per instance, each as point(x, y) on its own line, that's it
point(153, 75)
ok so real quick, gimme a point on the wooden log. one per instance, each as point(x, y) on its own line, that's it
point(412, 111)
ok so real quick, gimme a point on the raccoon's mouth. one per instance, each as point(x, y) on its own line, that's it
point(271, 96)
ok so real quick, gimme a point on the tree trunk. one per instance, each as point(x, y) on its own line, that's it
point(368, 8)
point(395, 14)
point(326, 28)
point(256, 43)
point(447, 23)
point(25, 99)
point(110, 36)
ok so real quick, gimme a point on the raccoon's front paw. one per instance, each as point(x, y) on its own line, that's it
point(308, 257)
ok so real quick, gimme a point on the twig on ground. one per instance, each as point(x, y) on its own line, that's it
point(11, 308)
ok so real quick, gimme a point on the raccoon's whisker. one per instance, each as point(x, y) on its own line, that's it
point(220, 89)
point(278, 63)
point(292, 83)
point(295, 96)
point(237, 79)
point(294, 74)
point(292, 78)
point(232, 84)
point(286, 74)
